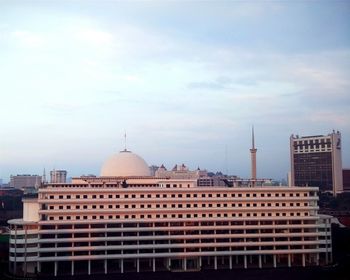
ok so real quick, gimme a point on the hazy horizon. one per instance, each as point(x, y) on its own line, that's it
point(186, 80)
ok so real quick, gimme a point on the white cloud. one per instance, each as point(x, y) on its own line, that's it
point(94, 36)
point(29, 39)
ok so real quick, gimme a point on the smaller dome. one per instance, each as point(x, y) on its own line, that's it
point(125, 164)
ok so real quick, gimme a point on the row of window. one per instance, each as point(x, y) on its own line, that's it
point(180, 195)
point(176, 206)
point(195, 215)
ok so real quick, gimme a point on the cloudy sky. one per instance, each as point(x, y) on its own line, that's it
point(185, 79)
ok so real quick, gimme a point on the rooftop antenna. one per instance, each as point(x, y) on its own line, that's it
point(253, 139)
point(125, 141)
point(226, 169)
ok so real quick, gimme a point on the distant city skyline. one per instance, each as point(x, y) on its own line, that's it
point(186, 80)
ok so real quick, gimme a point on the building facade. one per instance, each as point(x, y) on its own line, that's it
point(119, 224)
point(24, 181)
point(346, 179)
point(58, 176)
point(316, 161)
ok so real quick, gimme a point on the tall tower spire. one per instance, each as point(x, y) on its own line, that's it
point(253, 151)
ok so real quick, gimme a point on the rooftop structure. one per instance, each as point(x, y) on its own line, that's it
point(24, 181)
point(58, 176)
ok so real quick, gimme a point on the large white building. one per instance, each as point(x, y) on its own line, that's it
point(128, 221)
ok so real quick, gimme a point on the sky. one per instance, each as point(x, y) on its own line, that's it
point(185, 80)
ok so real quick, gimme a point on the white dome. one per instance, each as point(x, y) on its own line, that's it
point(125, 164)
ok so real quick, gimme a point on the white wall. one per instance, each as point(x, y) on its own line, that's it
point(30, 210)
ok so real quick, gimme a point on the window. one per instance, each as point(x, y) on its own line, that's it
point(94, 196)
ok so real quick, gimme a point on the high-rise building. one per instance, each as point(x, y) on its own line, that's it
point(316, 161)
point(58, 176)
point(346, 179)
point(24, 181)
point(128, 221)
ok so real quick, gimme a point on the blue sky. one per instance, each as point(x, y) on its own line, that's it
point(185, 79)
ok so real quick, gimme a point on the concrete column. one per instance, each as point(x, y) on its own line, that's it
point(230, 262)
point(274, 261)
point(38, 265)
point(215, 263)
point(89, 267)
point(318, 259)
point(245, 261)
point(121, 266)
point(105, 266)
point(138, 265)
point(154, 264)
point(303, 259)
point(72, 268)
point(184, 262)
point(55, 271)
point(289, 261)
point(200, 261)
point(260, 263)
